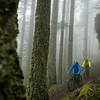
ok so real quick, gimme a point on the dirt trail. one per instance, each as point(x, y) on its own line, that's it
point(59, 93)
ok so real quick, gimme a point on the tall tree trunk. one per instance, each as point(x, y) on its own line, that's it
point(70, 43)
point(97, 27)
point(61, 44)
point(85, 54)
point(37, 89)
point(65, 51)
point(11, 85)
point(52, 47)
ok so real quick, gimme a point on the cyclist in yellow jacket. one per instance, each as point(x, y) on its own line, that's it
point(86, 65)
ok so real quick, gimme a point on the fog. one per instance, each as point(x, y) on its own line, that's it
point(84, 30)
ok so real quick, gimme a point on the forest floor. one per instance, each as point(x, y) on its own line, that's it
point(62, 91)
point(59, 93)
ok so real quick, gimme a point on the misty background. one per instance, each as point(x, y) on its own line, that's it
point(85, 40)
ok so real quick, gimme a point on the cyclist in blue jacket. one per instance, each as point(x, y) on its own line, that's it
point(76, 67)
point(75, 78)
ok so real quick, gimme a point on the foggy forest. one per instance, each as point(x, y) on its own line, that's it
point(49, 49)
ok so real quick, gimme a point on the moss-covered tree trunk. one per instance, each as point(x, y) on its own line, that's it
point(37, 89)
point(11, 85)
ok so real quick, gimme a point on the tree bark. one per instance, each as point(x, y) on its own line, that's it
point(37, 88)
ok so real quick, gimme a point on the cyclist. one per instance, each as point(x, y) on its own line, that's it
point(86, 65)
point(75, 76)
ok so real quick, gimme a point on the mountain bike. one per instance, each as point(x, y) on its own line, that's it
point(74, 81)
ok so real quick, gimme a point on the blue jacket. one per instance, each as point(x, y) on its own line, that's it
point(77, 69)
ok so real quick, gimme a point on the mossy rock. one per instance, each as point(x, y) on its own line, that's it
point(90, 91)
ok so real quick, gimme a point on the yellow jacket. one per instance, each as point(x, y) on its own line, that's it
point(89, 63)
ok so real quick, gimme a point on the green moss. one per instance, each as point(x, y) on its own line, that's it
point(86, 91)
point(11, 84)
point(90, 91)
point(37, 84)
